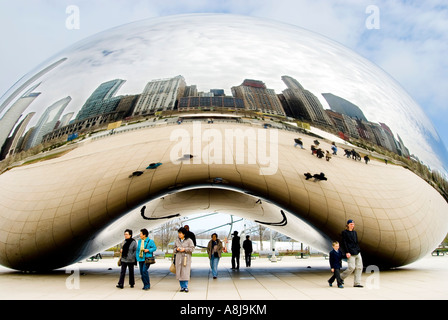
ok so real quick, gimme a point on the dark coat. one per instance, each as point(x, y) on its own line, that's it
point(236, 244)
point(350, 242)
point(247, 246)
point(335, 259)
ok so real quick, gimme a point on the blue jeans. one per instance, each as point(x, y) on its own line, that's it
point(144, 273)
point(183, 284)
point(214, 265)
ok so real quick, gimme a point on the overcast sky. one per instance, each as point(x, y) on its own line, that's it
point(411, 43)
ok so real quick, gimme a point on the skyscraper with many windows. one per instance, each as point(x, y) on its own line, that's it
point(102, 100)
point(304, 104)
point(160, 95)
point(258, 97)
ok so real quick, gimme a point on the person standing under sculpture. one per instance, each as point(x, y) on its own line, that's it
point(352, 251)
point(127, 259)
point(214, 250)
point(247, 246)
point(145, 249)
point(183, 249)
point(236, 246)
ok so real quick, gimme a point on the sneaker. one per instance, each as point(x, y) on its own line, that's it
point(358, 286)
point(330, 283)
point(186, 290)
point(340, 286)
point(182, 289)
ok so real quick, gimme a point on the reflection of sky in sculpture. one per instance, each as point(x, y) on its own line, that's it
point(220, 51)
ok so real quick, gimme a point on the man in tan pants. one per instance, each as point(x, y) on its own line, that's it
point(353, 253)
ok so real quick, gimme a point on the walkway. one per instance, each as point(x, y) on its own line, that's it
point(288, 279)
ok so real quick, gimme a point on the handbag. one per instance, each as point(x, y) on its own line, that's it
point(119, 258)
point(150, 260)
point(173, 265)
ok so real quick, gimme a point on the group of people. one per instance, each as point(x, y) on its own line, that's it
point(315, 150)
point(139, 252)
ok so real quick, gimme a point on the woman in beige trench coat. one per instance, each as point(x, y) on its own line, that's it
point(183, 249)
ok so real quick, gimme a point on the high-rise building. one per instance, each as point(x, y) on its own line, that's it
point(102, 100)
point(258, 97)
point(12, 115)
point(343, 106)
point(303, 103)
point(390, 137)
point(10, 146)
point(47, 121)
point(160, 95)
point(210, 103)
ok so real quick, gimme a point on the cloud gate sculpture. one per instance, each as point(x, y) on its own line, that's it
point(186, 114)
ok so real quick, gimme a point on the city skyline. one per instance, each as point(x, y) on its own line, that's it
point(298, 104)
point(323, 65)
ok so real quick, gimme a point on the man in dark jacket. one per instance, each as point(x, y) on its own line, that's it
point(190, 235)
point(247, 246)
point(236, 251)
point(353, 253)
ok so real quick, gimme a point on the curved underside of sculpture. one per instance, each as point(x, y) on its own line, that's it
point(56, 212)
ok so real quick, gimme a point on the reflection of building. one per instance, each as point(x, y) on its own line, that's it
point(102, 100)
point(258, 98)
point(47, 121)
point(343, 106)
point(210, 103)
point(65, 120)
point(160, 95)
point(12, 144)
point(124, 109)
point(390, 137)
point(11, 117)
point(303, 104)
point(402, 150)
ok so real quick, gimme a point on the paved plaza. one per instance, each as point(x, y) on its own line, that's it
point(288, 279)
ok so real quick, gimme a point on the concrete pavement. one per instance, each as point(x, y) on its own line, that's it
point(288, 279)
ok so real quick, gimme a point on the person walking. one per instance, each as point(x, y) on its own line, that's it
point(336, 265)
point(247, 246)
point(145, 249)
point(183, 249)
point(127, 259)
point(353, 253)
point(214, 250)
point(236, 247)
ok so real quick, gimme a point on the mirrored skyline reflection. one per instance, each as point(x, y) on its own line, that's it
point(218, 51)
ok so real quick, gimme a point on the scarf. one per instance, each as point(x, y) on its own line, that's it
point(142, 248)
point(126, 245)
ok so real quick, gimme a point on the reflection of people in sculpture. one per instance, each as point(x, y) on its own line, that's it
point(366, 158)
point(352, 251)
